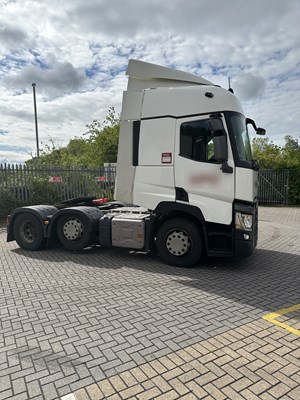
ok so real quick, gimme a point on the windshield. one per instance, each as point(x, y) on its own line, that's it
point(241, 136)
point(239, 133)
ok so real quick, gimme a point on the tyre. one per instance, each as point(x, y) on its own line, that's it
point(72, 231)
point(179, 242)
point(28, 232)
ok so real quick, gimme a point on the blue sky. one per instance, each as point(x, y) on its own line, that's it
point(77, 51)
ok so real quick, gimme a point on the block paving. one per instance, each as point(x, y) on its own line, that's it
point(117, 324)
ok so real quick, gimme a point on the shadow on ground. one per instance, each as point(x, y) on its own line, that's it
point(267, 280)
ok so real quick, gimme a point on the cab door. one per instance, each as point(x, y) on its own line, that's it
point(199, 179)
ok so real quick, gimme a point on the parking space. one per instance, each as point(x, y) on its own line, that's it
point(103, 324)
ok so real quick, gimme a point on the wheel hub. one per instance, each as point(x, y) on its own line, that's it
point(178, 243)
point(29, 232)
point(73, 229)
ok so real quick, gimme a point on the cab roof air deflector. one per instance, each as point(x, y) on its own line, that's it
point(143, 75)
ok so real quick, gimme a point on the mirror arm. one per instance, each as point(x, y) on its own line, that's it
point(259, 131)
point(250, 121)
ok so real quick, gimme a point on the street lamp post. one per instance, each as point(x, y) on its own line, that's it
point(36, 122)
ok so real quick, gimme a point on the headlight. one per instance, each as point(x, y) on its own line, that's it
point(243, 221)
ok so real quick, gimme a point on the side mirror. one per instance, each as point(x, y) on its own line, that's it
point(220, 148)
point(221, 153)
point(261, 131)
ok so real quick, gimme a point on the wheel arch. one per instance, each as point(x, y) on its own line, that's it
point(91, 216)
point(86, 228)
point(41, 212)
point(169, 210)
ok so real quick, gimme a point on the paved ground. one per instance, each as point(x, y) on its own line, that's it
point(104, 325)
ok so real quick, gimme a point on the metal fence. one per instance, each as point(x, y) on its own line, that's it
point(57, 183)
point(273, 186)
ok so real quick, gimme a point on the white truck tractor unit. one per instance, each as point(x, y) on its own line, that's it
point(186, 182)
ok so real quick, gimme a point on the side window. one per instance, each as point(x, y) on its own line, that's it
point(196, 141)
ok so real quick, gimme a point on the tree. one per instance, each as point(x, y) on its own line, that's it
point(50, 154)
point(76, 153)
point(99, 147)
point(287, 157)
point(267, 153)
point(272, 156)
point(291, 152)
point(104, 138)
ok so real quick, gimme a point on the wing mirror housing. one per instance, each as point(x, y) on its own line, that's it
point(261, 131)
point(221, 153)
point(220, 148)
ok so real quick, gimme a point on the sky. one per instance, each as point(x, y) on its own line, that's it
point(77, 51)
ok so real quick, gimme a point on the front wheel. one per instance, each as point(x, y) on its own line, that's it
point(28, 232)
point(179, 242)
point(73, 232)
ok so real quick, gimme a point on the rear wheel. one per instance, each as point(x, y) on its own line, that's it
point(179, 242)
point(73, 232)
point(28, 232)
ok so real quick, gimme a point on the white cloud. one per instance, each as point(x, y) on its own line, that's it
point(76, 52)
point(249, 86)
point(11, 35)
point(54, 81)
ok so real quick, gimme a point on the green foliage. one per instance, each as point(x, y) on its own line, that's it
point(37, 191)
point(100, 145)
point(103, 139)
point(267, 153)
point(50, 154)
point(294, 186)
point(8, 202)
point(41, 191)
point(291, 152)
point(271, 156)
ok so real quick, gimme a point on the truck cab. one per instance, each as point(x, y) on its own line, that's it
point(184, 150)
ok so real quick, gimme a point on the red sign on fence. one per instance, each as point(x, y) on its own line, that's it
point(55, 179)
point(100, 179)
